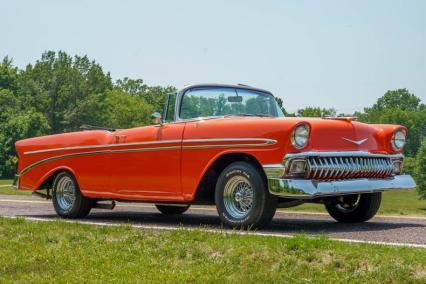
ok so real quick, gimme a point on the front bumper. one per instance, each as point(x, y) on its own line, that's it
point(308, 189)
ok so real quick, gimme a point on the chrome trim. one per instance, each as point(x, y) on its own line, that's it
point(54, 158)
point(293, 136)
point(182, 92)
point(308, 189)
point(343, 154)
point(102, 146)
point(15, 183)
point(357, 142)
point(393, 140)
point(344, 165)
point(265, 140)
point(274, 170)
point(343, 118)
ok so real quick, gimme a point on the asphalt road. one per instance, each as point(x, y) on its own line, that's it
point(400, 230)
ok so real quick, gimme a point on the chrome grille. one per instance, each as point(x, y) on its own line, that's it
point(348, 167)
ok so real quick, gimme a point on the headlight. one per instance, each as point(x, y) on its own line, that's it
point(399, 139)
point(300, 136)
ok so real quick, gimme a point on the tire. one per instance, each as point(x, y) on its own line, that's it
point(355, 208)
point(242, 197)
point(67, 198)
point(172, 210)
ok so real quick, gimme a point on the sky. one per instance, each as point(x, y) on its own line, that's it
point(340, 54)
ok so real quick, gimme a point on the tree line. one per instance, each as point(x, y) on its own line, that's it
point(59, 93)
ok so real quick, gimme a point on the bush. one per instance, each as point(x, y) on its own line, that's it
point(420, 170)
point(409, 165)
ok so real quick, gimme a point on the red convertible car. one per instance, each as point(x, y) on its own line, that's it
point(228, 145)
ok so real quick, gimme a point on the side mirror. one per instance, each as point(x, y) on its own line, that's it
point(156, 118)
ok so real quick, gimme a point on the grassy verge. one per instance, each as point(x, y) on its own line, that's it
point(9, 190)
point(73, 253)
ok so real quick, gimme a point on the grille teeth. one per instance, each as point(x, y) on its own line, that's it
point(332, 168)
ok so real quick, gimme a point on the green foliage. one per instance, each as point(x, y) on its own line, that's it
point(397, 99)
point(57, 83)
point(124, 110)
point(316, 112)
point(400, 107)
point(16, 127)
point(409, 165)
point(420, 170)
point(60, 93)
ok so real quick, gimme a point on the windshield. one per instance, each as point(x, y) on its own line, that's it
point(228, 101)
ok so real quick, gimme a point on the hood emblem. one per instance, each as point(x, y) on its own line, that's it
point(358, 142)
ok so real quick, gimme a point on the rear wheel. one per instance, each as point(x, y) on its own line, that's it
point(171, 209)
point(67, 198)
point(355, 207)
point(242, 198)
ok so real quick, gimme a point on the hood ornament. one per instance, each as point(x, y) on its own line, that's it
point(358, 142)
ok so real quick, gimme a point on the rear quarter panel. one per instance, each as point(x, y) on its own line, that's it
point(34, 167)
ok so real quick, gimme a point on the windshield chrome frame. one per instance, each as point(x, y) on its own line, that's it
point(182, 92)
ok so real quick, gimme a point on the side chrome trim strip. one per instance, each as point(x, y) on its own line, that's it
point(266, 142)
point(25, 170)
point(103, 146)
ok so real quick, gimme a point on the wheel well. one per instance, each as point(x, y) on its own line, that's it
point(206, 188)
point(48, 182)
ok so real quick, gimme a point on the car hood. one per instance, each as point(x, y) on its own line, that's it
point(327, 134)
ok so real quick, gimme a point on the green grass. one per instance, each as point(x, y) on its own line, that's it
point(75, 253)
point(9, 190)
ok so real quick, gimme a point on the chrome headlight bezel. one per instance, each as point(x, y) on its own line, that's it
point(300, 136)
point(399, 139)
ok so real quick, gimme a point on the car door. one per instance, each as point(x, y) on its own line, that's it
point(145, 162)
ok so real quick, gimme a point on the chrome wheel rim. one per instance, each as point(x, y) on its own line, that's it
point(65, 193)
point(238, 197)
point(347, 205)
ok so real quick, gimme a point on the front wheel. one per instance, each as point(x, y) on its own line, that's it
point(67, 198)
point(242, 197)
point(354, 208)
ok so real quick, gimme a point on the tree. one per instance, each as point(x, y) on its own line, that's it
point(8, 75)
point(399, 107)
point(420, 170)
point(23, 125)
point(316, 112)
point(397, 99)
point(123, 110)
point(57, 83)
point(60, 93)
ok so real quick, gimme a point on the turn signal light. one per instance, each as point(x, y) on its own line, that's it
point(297, 167)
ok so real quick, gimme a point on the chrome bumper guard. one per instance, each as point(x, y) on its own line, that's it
point(307, 189)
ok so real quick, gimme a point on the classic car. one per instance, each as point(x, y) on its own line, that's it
point(224, 145)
